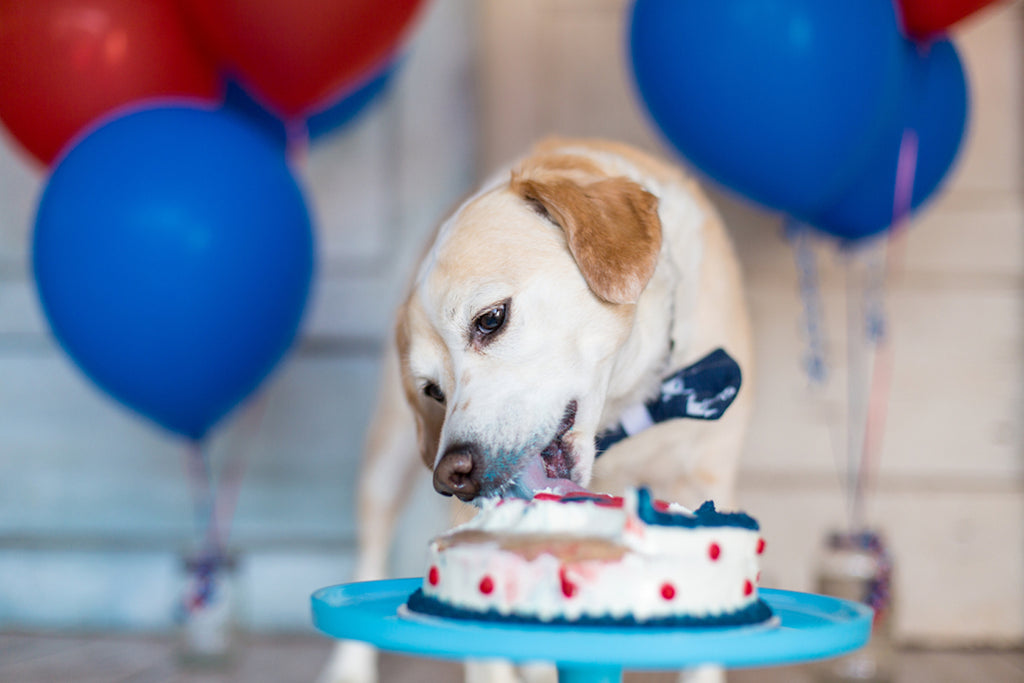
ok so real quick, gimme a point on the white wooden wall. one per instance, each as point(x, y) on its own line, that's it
point(94, 503)
point(950, 495)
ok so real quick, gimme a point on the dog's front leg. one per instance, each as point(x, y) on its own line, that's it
point(390, 466)
point(490, 671)
point(708, 673)
point(501, 671)
point(380, 504)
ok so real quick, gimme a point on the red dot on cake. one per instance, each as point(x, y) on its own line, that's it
point(568, 587)
point(748, 588)
point(668, 591)
point(760, 546)
point(486, 585)
point(714, 551)
point(433, 576)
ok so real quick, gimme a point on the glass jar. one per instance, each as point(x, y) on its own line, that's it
point(206, 637)
point(857, 566)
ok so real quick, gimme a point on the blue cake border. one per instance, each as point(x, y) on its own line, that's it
point(755, 613)
point(705, 516)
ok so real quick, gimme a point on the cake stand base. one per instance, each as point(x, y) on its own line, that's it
point(589, 674)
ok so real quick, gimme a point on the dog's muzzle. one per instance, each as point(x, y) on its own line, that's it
point(464, 473)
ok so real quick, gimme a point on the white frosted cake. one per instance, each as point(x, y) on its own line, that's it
point(592, 559)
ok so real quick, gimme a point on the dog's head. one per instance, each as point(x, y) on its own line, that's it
point(508, 338)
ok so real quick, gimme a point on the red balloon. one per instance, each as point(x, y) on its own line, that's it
point(296, 54)
point(925, 18)
point(63, 63)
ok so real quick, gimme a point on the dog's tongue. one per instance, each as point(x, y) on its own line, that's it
point(535, 479)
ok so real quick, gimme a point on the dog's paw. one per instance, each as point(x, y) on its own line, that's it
point(538, 673)
point(491, 671)
point(350, 662)
point(709, 673)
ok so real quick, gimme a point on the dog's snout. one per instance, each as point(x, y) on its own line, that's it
point(455, 474)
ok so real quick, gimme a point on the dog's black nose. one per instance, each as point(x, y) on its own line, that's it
point(454, 474)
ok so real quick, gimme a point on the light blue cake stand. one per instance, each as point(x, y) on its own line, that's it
point(806, 627)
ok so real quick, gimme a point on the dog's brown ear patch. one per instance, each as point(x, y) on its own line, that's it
point(611, 225)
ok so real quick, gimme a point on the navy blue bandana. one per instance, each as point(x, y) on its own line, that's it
point(701, 391)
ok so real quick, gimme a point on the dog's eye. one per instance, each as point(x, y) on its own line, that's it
point(433, 391)
point(491, 320)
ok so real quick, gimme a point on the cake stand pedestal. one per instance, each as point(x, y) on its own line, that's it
point(806, 627)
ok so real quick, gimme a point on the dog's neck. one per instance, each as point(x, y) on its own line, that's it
point(660, 341)
point(650, 351)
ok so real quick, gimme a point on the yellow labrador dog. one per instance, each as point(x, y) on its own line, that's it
point(551, 304)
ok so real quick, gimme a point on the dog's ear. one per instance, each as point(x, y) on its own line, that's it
point(611, 225)
point(428, 413)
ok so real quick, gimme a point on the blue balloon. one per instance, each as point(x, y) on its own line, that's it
point(935, 109)
point(351, 104)
point(783, 101)
point(173, 254)
point(333, 117)
point(239, 100)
